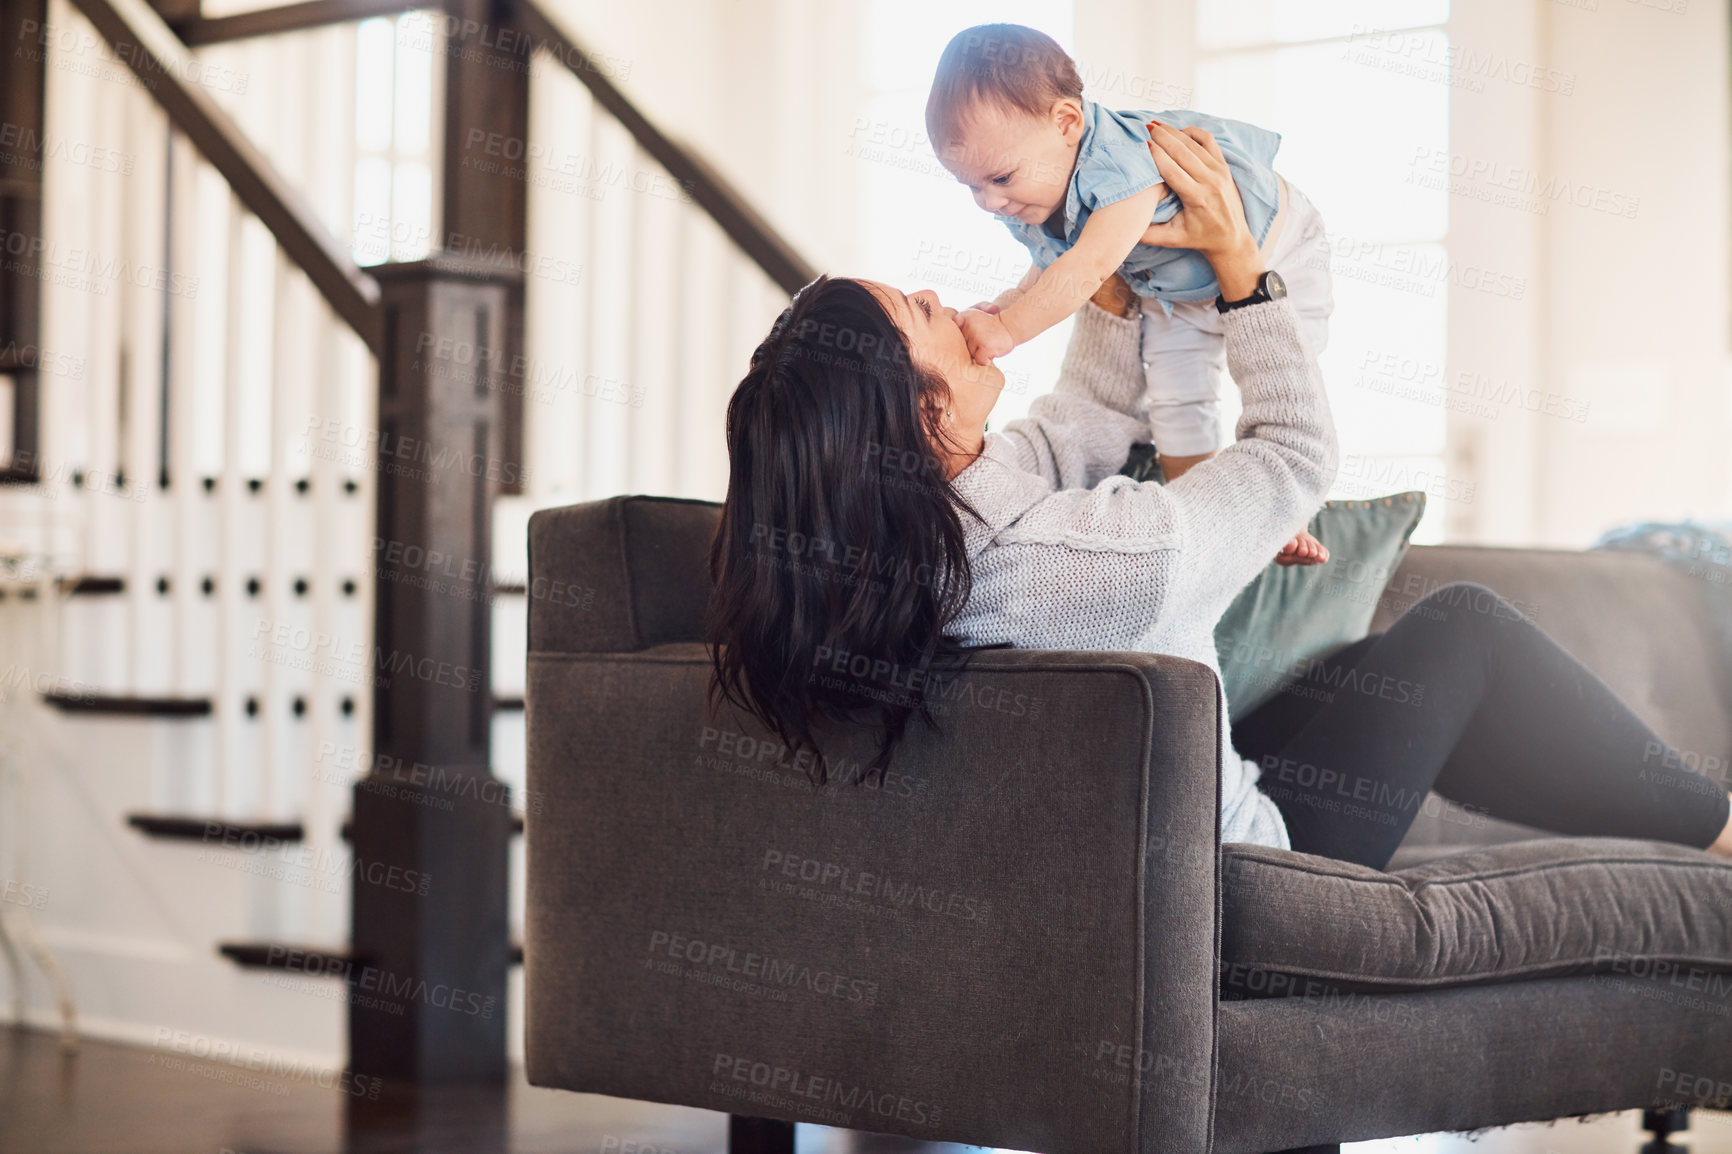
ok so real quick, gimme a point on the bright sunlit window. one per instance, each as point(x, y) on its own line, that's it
point(919, 228)
point(1360, 93)
point(394, 89)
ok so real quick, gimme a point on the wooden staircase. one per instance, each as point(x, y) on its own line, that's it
point(202, 525)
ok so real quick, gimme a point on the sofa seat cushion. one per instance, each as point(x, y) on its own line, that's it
point(1526, 909)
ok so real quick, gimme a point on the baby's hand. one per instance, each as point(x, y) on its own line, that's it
point(986, 335)
point(1303, 550)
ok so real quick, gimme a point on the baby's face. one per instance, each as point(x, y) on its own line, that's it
point(1016, 165)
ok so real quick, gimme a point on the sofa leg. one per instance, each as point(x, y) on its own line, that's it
point(1662, 1124)
point(759, 1135)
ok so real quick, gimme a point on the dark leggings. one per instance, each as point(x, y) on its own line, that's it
point(1466, 696)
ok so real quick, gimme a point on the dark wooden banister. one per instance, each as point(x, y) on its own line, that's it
point(162, 64)
point(197, 30)
point(754, 235)
point(323, 259)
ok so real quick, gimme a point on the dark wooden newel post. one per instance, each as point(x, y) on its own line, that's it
point(431, 939)
point(450, 441)
point(487, 165)
point(24, 50)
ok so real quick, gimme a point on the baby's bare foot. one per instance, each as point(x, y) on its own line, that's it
point(1303, 550)
point(1722, 846)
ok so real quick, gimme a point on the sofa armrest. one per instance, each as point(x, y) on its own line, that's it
point(619, 575)
point(1010, 941)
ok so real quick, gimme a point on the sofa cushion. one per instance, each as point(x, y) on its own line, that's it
point(1290, 614)
point(1350, 1067)
point(1527, 909)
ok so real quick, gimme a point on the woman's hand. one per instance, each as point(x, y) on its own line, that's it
point(1212, 220)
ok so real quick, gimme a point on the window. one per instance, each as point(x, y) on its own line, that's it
point(394, 157)
point(1360, 93)
point(918, 227)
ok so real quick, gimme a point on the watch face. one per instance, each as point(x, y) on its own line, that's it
point(1274, 285)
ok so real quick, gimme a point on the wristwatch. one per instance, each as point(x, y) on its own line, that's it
point(1270, 287)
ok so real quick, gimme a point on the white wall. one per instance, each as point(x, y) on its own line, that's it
point(1625, 311)
point(1617, 310)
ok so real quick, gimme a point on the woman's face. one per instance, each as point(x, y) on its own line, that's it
point(935, 342)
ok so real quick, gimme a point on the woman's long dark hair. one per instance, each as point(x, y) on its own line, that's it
point(839, 563)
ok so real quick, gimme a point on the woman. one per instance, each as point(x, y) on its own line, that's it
point(873, 533)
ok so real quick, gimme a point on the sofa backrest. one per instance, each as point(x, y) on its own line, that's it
point(629, 573)
point(1642, 625)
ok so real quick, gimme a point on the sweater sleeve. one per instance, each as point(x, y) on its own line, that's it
point(1083, 430)
point(1241, 506)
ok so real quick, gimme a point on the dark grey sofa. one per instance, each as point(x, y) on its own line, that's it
point(1029, 936)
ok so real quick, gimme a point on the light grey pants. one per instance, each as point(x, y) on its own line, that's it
point(1184, 349)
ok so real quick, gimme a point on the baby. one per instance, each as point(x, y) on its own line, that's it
point(1077, 185)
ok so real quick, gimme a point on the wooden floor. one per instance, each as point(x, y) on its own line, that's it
point(113, 1099)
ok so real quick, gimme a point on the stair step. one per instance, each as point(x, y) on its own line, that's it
point(213, 829)
point(185, 827)
point(91, 585)
point(128, 706)
point(347, 832)
point(123, 705)
point(314, 961)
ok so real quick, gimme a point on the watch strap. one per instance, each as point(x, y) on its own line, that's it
point(1258, 295)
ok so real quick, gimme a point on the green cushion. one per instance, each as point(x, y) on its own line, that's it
point(1292, 613)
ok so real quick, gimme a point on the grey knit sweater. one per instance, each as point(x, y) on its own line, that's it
point(1074, 556)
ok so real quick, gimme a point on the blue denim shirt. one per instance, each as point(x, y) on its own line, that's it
point(1113, 162)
